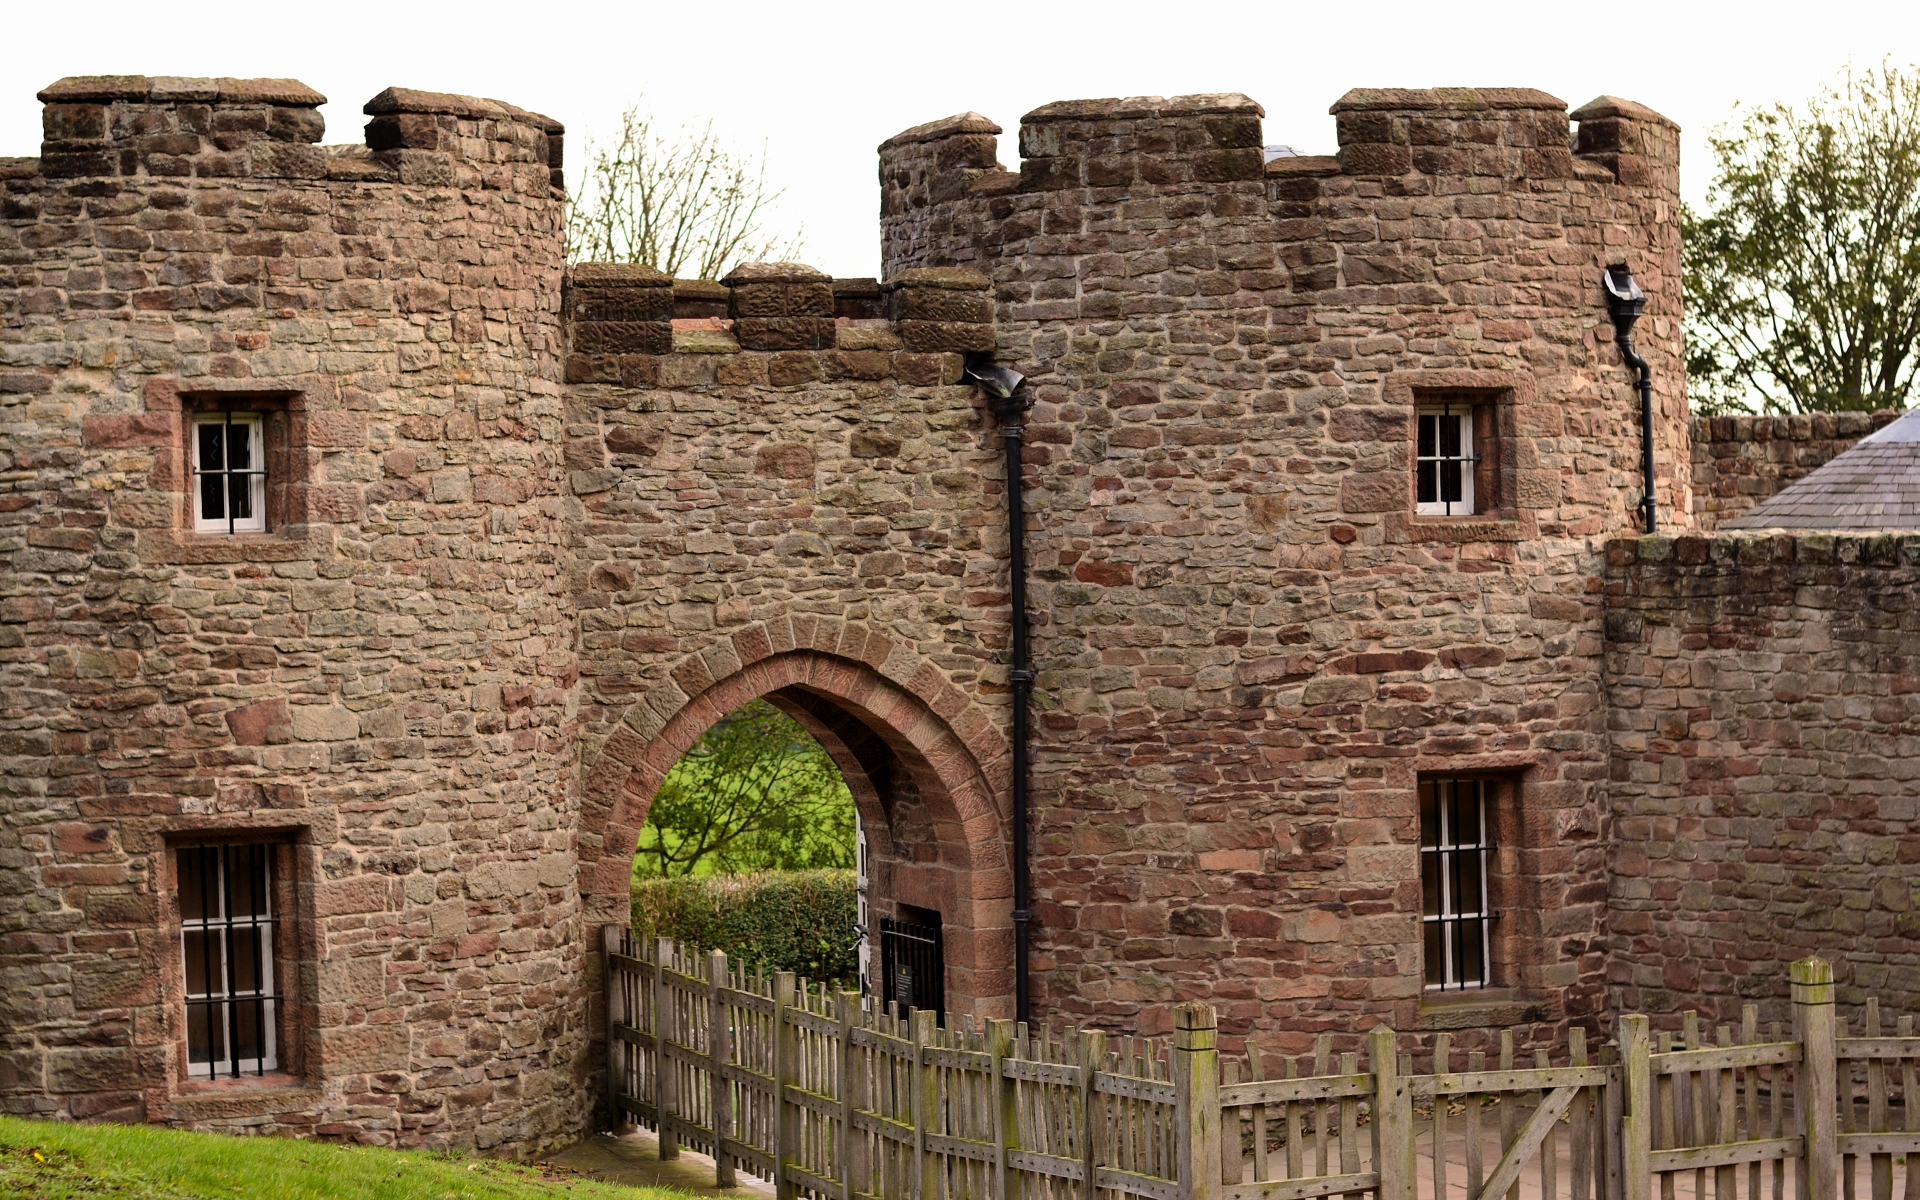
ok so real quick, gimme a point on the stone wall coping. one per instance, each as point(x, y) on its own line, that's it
point(1602, 107)
point(410, 100)
point(1137, 107)
point(622, 275)
point(945, 127)
point(1797, 427)
point(1458, 98)
point(775, 272)
point(1755, 547)
point(952, 279)
point(692, 289)
point(1304, 165)
point(180, 89)
point(19, 168)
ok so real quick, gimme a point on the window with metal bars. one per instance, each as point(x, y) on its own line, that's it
point(229, 473)
point(1455, 844)
point(1444, 462)
point(227, 954)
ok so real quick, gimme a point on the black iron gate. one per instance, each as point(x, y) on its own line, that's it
point(913, 973)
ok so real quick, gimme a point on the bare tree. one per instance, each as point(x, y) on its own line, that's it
point(1803, 275)
point(685, 203)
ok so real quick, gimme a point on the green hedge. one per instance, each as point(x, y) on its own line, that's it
point(799, 921)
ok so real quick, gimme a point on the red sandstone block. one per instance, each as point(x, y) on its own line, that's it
point(130, 430)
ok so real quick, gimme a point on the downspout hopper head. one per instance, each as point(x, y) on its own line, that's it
point(1625, 300)
point(998, 382)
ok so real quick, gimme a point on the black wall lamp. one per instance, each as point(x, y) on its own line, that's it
point(1625, 303)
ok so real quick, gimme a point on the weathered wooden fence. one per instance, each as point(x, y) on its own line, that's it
point(831, 1100)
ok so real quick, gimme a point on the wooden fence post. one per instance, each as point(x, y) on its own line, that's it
point(1636, 1117)
point(1006, 1116)
point(664, 1093)
point(719, 1056)
point(850, 1144)
point(610, 946)
point(1196, 1098)
point(786, 1115)
point(1812, 980)
point(1392, 1118)
point(925, 1082)
point(1093, 1056)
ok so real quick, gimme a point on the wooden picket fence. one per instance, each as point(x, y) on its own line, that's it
point(832, 1100)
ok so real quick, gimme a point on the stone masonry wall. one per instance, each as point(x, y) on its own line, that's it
point(1249, 649)
point(1766, 804)
point(381, 680)
point(788, 503)
point(1740, 461)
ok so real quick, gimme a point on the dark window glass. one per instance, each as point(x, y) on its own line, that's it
point(1455, 844)
point(226, 951)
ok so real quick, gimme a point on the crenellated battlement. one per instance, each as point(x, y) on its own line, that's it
point(771, 324)
point(176, 127)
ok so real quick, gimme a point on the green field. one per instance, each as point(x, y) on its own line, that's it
point(43, 1160)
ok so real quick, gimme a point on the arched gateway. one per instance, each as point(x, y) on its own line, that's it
point(924, 765)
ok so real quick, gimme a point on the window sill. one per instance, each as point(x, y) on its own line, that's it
point(274, 1092)
point(1478, 1008)
point(281, 545)
point(1500, 525)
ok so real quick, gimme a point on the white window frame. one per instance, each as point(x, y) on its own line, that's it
point(255, 473)
point(221, 992)
point(1460, 417)
point(1455, 856)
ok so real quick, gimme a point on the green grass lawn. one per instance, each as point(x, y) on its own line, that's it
point(45, 1160)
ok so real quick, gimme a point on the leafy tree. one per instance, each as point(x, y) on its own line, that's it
point(684, 203)
point(755, 793)
point(1803, 273)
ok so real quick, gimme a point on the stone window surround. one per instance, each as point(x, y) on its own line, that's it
point(1505, 392)
point(295, 953)
point(1507, 1000)
point(285, 406)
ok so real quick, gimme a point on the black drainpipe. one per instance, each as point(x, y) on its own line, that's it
point(1009, 404)
point(1625, 303)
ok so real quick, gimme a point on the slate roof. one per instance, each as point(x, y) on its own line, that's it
point(1874, 485)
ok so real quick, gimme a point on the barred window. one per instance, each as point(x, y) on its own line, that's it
point(1444, 460)
point(1455, 843)
point(229, 473)
point(227, 951)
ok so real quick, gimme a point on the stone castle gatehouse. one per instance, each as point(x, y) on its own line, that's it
point(367, 569)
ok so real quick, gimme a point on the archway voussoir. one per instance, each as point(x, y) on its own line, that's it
point(806, 627)
point(752, 644)
point(666, 698)
point(625, 746)
point(693, 675)
point(780, 638)
point(644, 720)
point(853, 640)
point(722, 662)
point(902, 665)
point(827, 632)
point(878, 647)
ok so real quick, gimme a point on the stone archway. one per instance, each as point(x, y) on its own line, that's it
point(892, 722)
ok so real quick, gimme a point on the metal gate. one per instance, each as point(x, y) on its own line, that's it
point(913, 973)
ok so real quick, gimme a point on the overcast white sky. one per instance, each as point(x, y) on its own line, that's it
point(821, 84)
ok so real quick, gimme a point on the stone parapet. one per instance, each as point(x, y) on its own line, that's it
point(1157, 140)
point(177, 127)
point(784, 325)
point(1507, 132)
point(1739, 461)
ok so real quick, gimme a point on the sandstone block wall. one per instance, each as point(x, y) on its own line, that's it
point(1765, 799)
point(1740, 461)
point(803, 506)
point(381, 680)
point(1250, 649)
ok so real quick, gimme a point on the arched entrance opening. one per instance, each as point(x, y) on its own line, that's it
point(924, 785)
